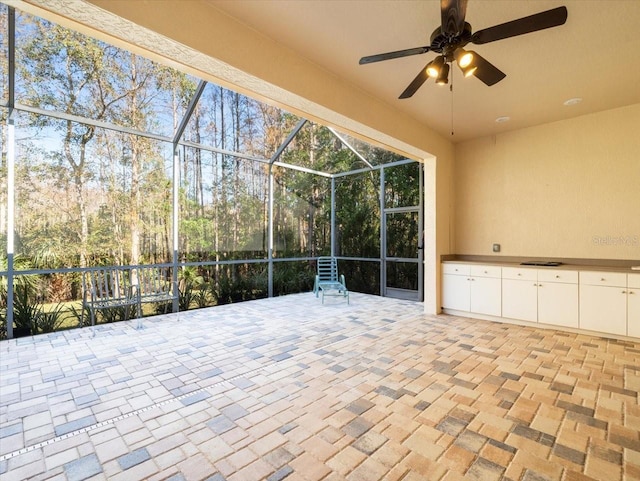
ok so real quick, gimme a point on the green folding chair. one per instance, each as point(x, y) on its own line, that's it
point(328, 281)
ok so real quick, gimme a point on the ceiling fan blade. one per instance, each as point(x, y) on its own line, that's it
point(452, 13)
point(532, 23)
point(416, 84)
point(486, 71)
point(397, 54)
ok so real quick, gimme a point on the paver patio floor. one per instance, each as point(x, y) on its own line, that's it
point(289, 388)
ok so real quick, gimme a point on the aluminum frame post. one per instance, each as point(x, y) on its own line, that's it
point(10, 221)
point(288, 140)
point(270, 231)
point(383, 238)
point(175, 219)
point(421, 239)
point(333, 217)
point(11, 159)
point(351, 148)
point(176, 186)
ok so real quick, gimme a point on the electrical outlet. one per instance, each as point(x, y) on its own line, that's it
point(496, 247)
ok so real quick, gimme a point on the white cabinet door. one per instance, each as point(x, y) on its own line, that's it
point(603, 308)
point(456, 292)
point(520, 299)
point(558, 304)
point(486, 296)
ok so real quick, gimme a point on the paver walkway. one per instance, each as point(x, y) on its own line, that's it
point(288, 388)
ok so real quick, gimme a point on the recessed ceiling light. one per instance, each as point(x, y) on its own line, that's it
point(573, 101)
point(503, 119)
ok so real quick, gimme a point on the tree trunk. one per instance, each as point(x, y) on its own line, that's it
point(77, 167)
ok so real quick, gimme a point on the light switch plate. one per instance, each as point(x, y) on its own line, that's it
point(496, 247)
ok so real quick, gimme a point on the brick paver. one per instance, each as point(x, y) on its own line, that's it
point(289, 388)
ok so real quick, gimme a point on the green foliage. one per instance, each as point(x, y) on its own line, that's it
point(238, 283)
point(163, 307)
point(293, 277)
point(117, 314)
point(3, 312)
point(19, 263)
point(401, 185)
point(52, 320)
point(77, 313)
point(29, 315)
point(358, 215)
point(25, 309)
point(202, 297)
point(361, 276)
point(3, 323)
point(186, 295)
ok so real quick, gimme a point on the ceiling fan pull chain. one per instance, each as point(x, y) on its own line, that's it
point(451, 90)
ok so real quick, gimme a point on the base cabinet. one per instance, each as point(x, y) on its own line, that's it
point(558, 304)
point(486, 296)
point(520, 300)
point(456, 288)
point(472, 288)
point(486, 290)
point(456, 292)
point(603, 309)
point(520, 294)
point(558, 298)
point(601, 301)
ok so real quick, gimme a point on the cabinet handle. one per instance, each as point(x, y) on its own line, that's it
point(624, 292)
point(602, 279)
point(486, 272)
point(539, 285)
point(631, 292)
point(519, 274)
point(557, 277)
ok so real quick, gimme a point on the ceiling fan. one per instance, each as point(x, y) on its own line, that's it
point(449, 40)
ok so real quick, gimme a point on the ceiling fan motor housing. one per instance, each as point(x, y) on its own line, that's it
point(447, 44)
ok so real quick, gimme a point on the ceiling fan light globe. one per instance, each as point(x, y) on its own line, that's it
point(443, 76)
point(463, 58)
point(432, 70)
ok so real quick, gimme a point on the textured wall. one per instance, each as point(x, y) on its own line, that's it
point(566, 189)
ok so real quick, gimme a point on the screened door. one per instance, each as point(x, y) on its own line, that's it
point(402, 272)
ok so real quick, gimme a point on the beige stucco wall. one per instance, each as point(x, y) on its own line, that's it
point(565, 189)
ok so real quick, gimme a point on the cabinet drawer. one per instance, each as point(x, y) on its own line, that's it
point(486, 271)
point(461, 269)
point(593, 278)
point(567, 277)
point(634, 280)
point(519, 273)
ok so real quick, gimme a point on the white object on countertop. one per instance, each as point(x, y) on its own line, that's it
point(635, 268)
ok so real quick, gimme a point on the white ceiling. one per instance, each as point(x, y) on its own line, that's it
point(595, 56)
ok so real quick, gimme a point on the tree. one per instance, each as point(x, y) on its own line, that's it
point(78, 82)
point(67, 72)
